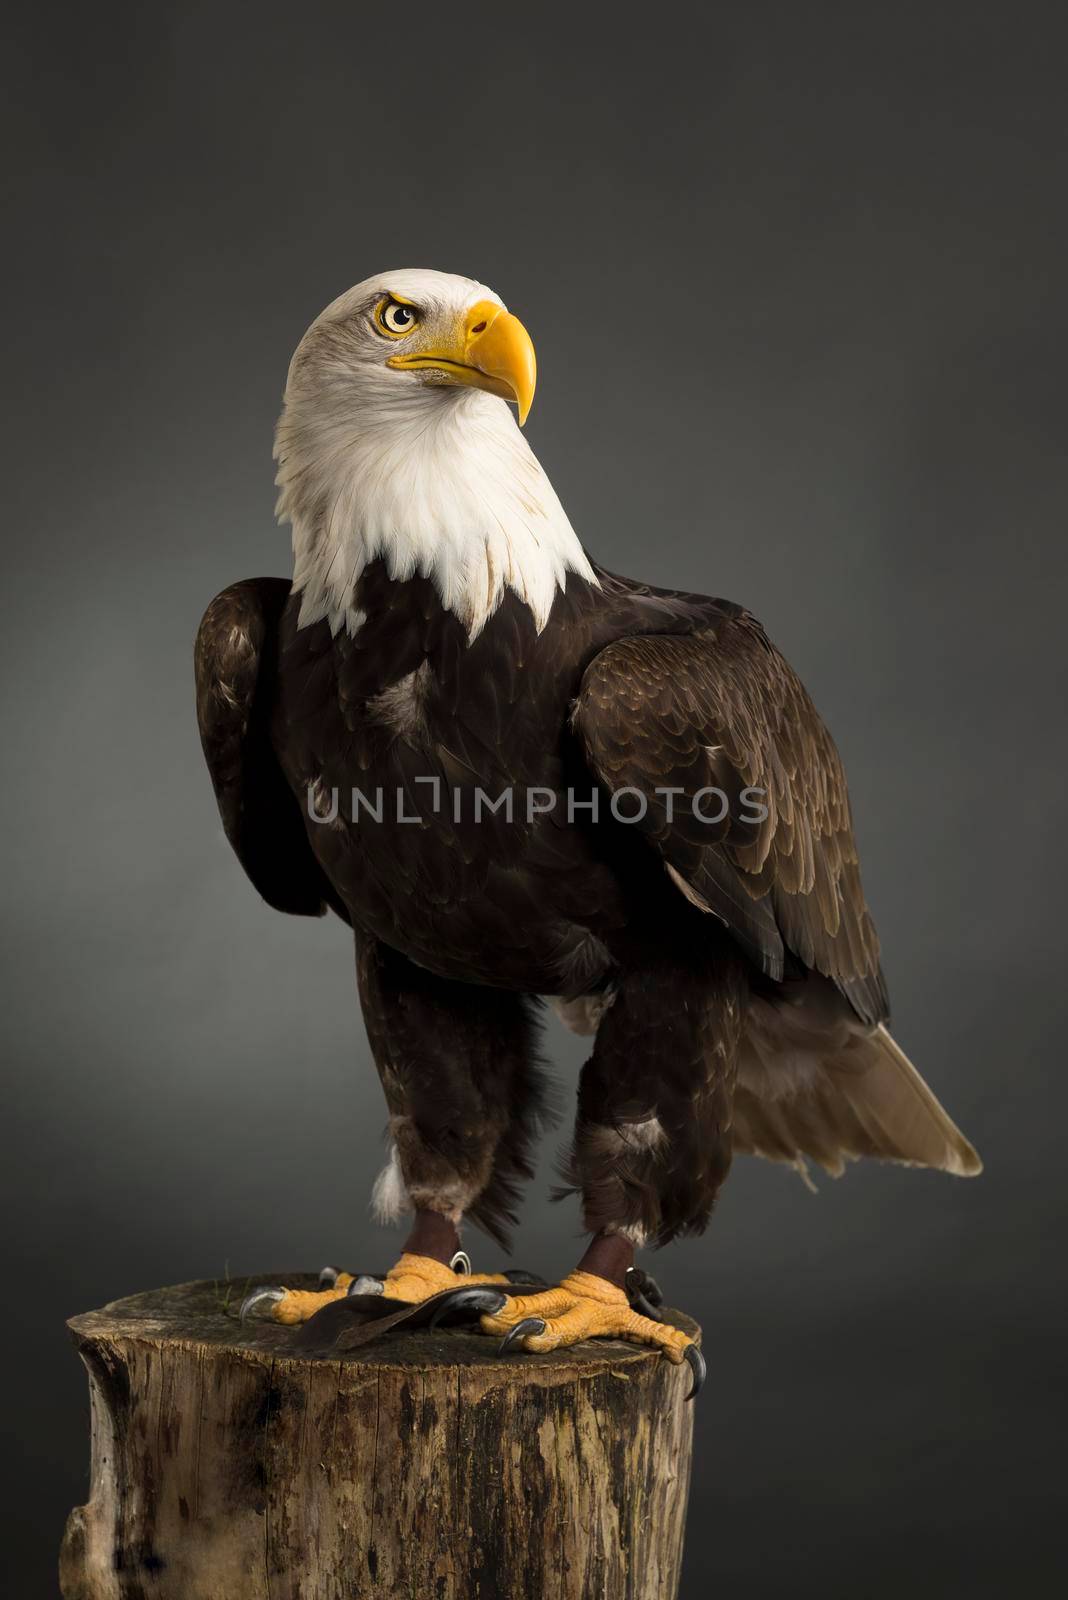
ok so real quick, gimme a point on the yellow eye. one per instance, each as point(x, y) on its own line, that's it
point(395, 318)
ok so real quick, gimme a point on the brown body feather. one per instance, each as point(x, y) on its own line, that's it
point(706, 946)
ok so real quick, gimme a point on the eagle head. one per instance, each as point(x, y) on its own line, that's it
point(403, 333)
point(396, 443)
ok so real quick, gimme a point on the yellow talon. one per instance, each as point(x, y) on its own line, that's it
point(297, 1305)
point(413, 1278)
point(584, 1307)
point(418, 1278)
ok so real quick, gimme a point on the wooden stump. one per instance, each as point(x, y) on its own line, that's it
point(224, 1467)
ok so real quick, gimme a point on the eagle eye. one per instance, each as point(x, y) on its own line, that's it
point(395, 318)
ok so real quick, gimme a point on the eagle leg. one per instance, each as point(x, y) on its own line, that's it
point(465, 1092)
point(652, 1147)
point(465, 1096)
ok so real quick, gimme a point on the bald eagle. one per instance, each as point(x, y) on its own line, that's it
point(517, 776)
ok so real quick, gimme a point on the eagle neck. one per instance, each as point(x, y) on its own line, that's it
point(439, 484)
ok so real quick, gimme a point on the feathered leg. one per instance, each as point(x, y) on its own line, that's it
point(465, 1088)
point(466, 1096)
point(652, 1147)
point(653, 1134)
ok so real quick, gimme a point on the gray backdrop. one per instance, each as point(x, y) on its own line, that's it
point(796, 276)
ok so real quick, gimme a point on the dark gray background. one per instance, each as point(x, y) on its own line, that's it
point(796, 276)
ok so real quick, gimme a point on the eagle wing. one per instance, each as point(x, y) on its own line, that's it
point(235, 661)
point(721, 710)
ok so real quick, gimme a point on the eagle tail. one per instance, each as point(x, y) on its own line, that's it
point(862, 1097)
point(916, 1118)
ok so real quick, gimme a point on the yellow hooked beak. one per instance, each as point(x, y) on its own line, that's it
point(488, 349)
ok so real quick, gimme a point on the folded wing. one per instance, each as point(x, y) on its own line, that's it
point(235, 662)
point(690, 717)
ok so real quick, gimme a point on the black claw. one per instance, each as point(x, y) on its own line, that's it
point(517, 1275)
point(263, 1296)
point(520, 1331)
point(483, 1300)
point(642, 1285)
point(328, 1277)
point(653, 1291)
point(365, 1285)
point(696, 1362)
point(641, 1305)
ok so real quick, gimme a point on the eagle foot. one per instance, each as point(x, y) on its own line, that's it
point(411, 1281)
point(584, 1306)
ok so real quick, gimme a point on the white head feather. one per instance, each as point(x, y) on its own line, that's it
point(433, 478)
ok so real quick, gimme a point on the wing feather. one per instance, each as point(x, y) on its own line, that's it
point(235, 664)
point(722, 708)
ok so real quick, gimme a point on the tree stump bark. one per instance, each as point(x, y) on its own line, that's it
point(225, 1467)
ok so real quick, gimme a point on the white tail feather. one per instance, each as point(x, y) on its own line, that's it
point(857, 1096)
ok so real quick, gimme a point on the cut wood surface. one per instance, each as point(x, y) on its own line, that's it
point(226, 1467)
